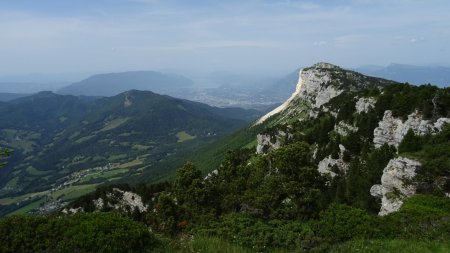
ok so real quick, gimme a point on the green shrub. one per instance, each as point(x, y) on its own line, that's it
point(340, 223)
point(99, 232)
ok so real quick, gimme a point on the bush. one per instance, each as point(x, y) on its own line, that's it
point(340, 223)
point(99, 232)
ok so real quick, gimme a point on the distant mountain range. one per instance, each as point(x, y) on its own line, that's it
point(437, 75)
point(232, 90)
point(114, 83)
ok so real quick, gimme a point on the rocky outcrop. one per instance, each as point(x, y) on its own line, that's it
point(325, 166)
point(392, 130)
point(211, 174)
point(72, 210)
point(344, 129)
point(122, 200)
point(313, 88)
point(365, 104)
point(396, 184)
point(317, 85)
point(267, 142)
point(118, 200)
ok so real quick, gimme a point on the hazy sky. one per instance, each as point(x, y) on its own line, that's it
point(254, 36)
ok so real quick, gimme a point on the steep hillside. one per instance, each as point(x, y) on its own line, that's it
point(68, 144)
point(114, 83)
point(348, 160)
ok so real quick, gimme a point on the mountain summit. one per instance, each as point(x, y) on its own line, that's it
point(115, 83)
point(316, 86)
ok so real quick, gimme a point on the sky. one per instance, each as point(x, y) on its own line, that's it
point(263, 37)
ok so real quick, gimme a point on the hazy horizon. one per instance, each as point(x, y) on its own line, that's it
point(253, 37)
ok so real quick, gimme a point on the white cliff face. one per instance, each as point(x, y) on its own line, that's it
point(392, 130)
point(314, 88)
point(396, 184)
point(364, 104)
point(285, 104)
point(267, 142)
point(325, 166)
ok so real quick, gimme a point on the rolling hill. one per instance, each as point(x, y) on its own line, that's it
point(60, 141)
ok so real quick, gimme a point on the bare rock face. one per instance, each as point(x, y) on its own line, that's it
point(396, 184)
point(325, 166)
point(72, 210)
point(267, 142)
point(364, 104)
point(121, 200)
point(392, 130)
point(344, 129)
point(313, 89)
point(319, 84)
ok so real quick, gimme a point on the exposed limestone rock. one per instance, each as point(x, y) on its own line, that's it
point(325, 166)
point(313, 88)
point(344, 129)
point(392, 130)
point(267, 142)
point(317, 85)
point(99, 203)
point(440, 123)
point(283, 106)
point(396, 184)
point(364, 104)
point(211, 174)
point(73, 210)
point(377, 191)
point(121, 200)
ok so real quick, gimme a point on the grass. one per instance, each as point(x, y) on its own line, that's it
point(392, 246)
point(113, 124)
point(106, 175)
point(117, 157)
point(13, 200)
point(68, 193)
point(12, 183)
point(85, 138)
point(131, 164)
point(35, 172)
point(183, 136)
point(140, 147)
point(204, 244)
point(75, 191)
point(212, 245)
point(28, 207)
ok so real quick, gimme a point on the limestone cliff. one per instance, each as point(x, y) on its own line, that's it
point(392, 130)
point(397, 184)
point(267, 142)
point(328, 163)
point(317, 85)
